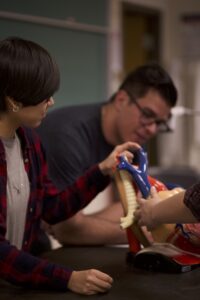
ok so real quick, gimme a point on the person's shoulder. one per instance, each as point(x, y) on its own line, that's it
point(72, 122)
point(73, 110)
point(74, 114)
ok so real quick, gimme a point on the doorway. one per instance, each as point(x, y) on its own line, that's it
point(141, 45)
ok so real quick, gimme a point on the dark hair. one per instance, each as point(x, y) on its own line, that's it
point(150, 76)
point(28, 73)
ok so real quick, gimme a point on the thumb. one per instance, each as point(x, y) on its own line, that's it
point(155, 198)
point(140, 200)
point(153, 191)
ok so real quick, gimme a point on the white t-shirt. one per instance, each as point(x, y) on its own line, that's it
point(18, 190)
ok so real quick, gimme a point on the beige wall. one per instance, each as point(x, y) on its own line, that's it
point(183, 146)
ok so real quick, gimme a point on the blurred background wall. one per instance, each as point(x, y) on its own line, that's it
point(97, 42)
point(75, 32)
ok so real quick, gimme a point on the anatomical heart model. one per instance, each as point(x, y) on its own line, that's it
point(171, 247)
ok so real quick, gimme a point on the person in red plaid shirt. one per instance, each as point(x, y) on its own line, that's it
point(28, 78)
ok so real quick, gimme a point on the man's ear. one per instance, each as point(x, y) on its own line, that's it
point(121, 99)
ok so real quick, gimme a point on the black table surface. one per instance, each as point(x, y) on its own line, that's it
point(129, 283)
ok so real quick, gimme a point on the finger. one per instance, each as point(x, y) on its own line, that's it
point(101, 285)
point(129, 145)
point(140, 201)
point(127, 155)
point(92, 289)
point(103, 276)
point(100, 288)
point(140, 223)
point(153, 191)
point(136, 215)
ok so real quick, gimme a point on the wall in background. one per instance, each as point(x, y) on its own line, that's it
point(80, 49)
point(182, 147)
point(91, 60)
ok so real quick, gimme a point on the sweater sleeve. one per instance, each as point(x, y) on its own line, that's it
point(23, 269)
point(61, 206)
point(192, 200)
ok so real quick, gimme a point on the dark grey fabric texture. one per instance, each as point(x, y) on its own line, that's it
point(73, 140)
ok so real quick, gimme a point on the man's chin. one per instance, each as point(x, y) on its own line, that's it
point(141, 141)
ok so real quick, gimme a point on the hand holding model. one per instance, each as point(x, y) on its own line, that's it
point(109, 165)
point(92, 281)
point(144, 213)
point(157, 211)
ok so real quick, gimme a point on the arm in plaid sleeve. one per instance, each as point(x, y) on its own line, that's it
point(21, 268)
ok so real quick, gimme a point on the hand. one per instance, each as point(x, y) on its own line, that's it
point(110, 163)
point(89, 282)
point(144, 213)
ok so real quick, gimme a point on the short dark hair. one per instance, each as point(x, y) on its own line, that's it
point(28, 73)
point(150, 76)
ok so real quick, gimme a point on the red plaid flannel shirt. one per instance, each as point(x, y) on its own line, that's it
point(46, 202)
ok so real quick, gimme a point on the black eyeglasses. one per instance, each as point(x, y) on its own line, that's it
point(148, 117)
